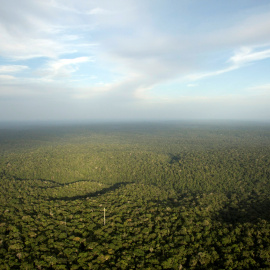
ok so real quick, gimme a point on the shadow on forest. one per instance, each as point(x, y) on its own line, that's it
point(174, 158)
point(57, 184)
point(91, 194)
point(247, 210)
point(73, 198)
point(235, 211)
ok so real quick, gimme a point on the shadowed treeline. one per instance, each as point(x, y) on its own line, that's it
point(246, 210)
point(92, 194)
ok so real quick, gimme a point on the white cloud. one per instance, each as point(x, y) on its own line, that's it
point(40, 29)
point(132, 43)
point(165, 57)
point(98, 11)
point(12, 68)
point(19, 47)
point(55, 65)
point(260, 89)
point(64, 67)
point(249, 30)
point(248, 55)
point(7, 77)
point(192, 85)
point(198, 76)
point(245, 55)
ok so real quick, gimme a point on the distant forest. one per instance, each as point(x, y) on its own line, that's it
point(176, 195)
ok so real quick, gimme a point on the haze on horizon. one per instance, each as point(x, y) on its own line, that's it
point(134, 60)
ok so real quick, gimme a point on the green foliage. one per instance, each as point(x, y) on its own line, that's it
point(177, 196)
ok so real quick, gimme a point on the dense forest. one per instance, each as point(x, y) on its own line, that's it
point(176, 195)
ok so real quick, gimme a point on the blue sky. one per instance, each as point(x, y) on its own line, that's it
point(134, 60)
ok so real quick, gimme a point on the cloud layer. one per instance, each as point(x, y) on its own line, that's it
point(115, 59)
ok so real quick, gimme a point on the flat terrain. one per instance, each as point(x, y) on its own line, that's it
point(176, 196)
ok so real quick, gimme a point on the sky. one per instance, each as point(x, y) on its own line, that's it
point(80, 60)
